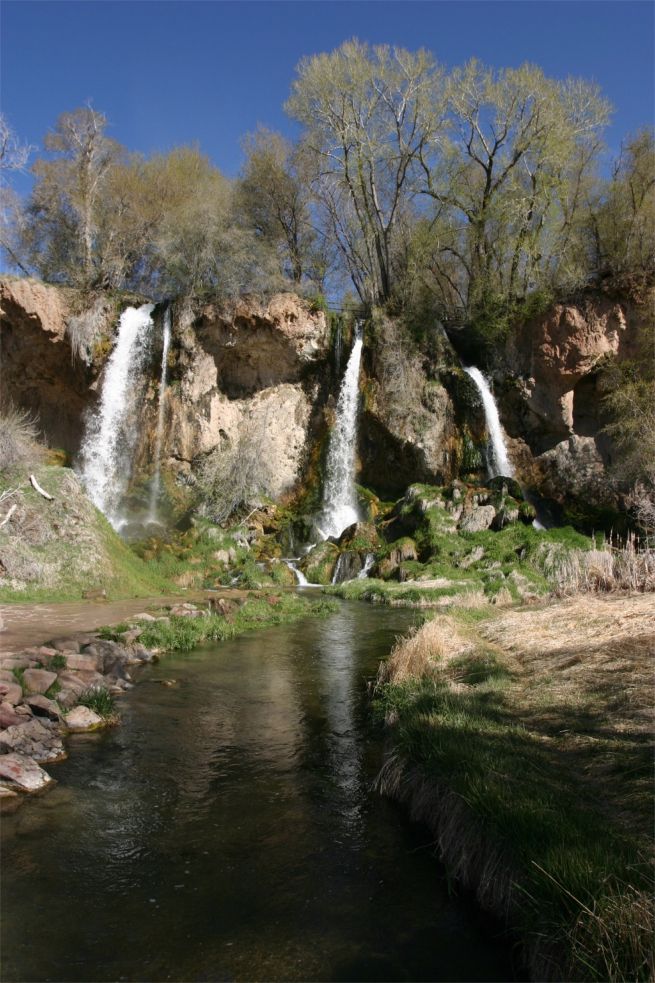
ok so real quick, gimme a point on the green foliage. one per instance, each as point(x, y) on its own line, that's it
point(576, 871)
point(100, 700)
point(57, 662)
point(183, 633)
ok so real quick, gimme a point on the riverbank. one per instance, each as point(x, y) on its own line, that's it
point(523, 738)
point(70, 684)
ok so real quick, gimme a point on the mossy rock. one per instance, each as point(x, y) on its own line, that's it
point(319, 565)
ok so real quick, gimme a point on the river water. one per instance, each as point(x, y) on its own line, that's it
point(227, 831)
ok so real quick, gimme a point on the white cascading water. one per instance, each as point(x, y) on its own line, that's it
point(339, 498)
point(366, 569)
point(155, 489)
point(498, 462)
point(111, 432)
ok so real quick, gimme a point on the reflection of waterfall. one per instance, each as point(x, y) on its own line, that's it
point(339, 498)
point(498, 462)
point(106, 454)
point(155, 489)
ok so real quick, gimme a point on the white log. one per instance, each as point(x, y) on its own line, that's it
point(37, 487)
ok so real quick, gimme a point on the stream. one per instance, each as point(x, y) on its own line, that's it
point(227, 831)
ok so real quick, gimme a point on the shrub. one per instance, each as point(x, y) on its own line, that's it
point(18, 434)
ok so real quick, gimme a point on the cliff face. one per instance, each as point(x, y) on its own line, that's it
point(265, 373)
point(550, 393)
point(249, 372)
point(37, 371)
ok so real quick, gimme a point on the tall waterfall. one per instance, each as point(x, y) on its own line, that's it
point(498, 462)
point(339, 498)
point(111, 432)
point(155, 488)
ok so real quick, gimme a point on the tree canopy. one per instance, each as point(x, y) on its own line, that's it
point(469, 190)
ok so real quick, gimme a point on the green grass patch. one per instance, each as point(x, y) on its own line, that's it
point(101, 701)
point(183, 633)
point(572, 875)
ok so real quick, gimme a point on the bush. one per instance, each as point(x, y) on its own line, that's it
point(18, 434)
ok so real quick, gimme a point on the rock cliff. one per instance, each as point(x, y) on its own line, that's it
point(549, 383)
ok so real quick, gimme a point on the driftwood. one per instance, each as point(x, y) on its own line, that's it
point(37, 488)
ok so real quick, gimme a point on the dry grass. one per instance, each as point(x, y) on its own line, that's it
point(18, 434)
point(630, 566)
point(418, 653)
point(525, 742)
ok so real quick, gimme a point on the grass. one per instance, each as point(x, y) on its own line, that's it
point(101, 701)
point(182, 634)
point(530, 756)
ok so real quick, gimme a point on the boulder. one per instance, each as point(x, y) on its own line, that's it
point(86, 662)
point(65, 644)
point(8, 716)
point(37, 740)
point(82, 719)
point(14, 662)
point(478, 519)
point(41, 706)
point(11, 692)
point(23, 772)
point(38, 680)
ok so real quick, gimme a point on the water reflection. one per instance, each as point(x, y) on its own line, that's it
point(227, 831)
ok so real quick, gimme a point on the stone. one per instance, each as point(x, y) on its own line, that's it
point(68, 679)
point(41, 706)
point(6, 676)
point(479, 519)
point(38, 680)
point(14, 662)
point(144, 616)
point(65, 645)
point(97, 594)
point(81, 678)
point(86, 662)
point(8, 716)
point(474, 556)
point(82, 719)
point(11, 692)
point(23, 772)
point(67, 698)
point(35, 739)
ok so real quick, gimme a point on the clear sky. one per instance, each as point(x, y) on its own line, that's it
point(167, 73)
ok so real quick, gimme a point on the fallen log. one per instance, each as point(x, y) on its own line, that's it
point(37, 488)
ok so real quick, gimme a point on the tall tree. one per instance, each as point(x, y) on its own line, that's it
point(62, 228)
point(368, 116)
point(517, 145)
point(273, 196)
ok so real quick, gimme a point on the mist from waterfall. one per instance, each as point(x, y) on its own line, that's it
point(111, 431)
point(498, 462)
point(339, 498)
point(155, 488)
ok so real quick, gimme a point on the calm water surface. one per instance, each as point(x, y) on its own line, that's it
point(228, 831)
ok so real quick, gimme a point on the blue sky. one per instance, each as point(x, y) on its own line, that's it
point(167, 73)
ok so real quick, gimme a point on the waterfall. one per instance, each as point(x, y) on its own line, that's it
point(111, 432)
point(498, 462)
point(339, 498)
point(155, 489)
point(366, 569)
point(300, 576)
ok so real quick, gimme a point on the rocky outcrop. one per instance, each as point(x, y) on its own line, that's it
point(549, 386)
point(247, 368)
point(37, 370)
